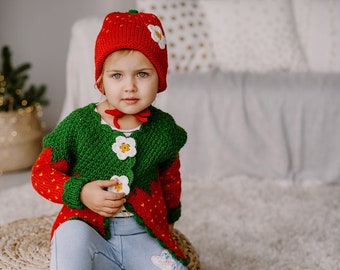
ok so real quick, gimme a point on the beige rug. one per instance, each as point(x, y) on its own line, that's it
point(25, 244)
point(235, 223)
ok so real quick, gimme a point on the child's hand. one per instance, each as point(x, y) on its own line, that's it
point(95, 197)
point(171, 227)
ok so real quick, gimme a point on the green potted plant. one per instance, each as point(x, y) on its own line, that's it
point(21, 129)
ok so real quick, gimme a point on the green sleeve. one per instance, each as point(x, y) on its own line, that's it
point(174, 214)
point(72, 189)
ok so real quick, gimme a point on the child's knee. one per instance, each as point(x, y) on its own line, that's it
point(73, 233)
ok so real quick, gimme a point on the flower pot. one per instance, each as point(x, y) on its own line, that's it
point(21, 135)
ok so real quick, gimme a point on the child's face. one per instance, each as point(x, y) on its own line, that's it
point(130, 81)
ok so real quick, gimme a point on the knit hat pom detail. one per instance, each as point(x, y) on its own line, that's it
point(135, 31)
point(133, 11)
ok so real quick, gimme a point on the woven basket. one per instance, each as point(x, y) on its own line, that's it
point(21, 135)
point(24, 244)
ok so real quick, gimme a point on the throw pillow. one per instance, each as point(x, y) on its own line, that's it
point(189, 47)
point(318, 25)
point(254, 35)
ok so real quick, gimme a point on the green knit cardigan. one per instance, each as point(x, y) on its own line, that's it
point(85, 145)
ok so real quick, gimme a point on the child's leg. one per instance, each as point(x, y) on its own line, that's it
point(139, 250)
point(75, 245)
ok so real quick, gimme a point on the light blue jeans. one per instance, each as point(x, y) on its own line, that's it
point(76, 245)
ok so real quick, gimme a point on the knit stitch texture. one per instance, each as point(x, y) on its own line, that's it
point(80, 150)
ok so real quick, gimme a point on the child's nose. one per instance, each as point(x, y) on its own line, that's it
point(130, 85)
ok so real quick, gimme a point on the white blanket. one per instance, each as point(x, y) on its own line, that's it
point(276, 125)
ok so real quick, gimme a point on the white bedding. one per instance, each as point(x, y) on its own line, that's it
point(281, 126)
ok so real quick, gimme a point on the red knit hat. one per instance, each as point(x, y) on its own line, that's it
point(137, 31)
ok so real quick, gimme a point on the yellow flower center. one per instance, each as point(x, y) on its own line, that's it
point(158, 34)
point(119, 187)
point(125, 147)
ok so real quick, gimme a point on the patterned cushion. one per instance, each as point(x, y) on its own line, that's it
point(189, 47)
point(254, 35)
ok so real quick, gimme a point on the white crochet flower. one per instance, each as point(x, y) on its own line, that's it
point(122, 186)
point(124, 147)
point(157, 35)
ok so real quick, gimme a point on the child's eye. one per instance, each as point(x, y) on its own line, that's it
point(116, 76)
point(142, 74)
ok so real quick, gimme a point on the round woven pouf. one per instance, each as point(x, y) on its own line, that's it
point(25, 244)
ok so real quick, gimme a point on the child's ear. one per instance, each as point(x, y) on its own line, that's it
point(100, 86)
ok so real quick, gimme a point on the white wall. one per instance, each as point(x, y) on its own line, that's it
point(38, 31)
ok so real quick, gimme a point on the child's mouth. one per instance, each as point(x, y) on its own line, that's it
point(130, 100)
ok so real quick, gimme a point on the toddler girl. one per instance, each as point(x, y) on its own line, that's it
point(114, 166)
